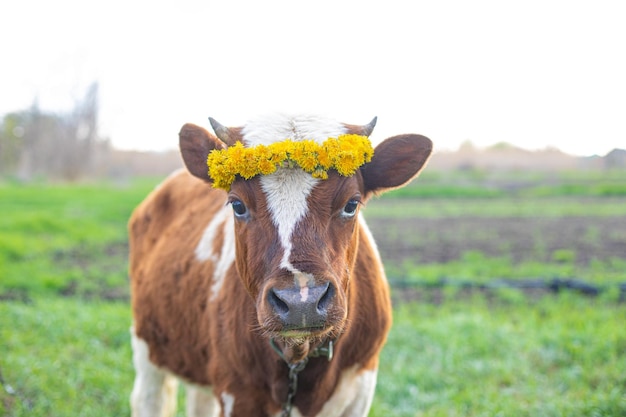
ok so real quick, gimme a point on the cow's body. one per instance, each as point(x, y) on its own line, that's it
point(205, 313)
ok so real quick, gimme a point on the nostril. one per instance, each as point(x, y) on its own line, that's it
point(298, 309)
point(325, 299)
point(277, 303)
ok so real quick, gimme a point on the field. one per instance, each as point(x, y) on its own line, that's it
point(475, 331)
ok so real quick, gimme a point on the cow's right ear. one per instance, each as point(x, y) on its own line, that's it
point(195, 145)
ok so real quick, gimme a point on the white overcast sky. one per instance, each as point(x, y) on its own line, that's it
point(532, 73)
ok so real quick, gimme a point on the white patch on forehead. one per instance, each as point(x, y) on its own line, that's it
point(286, 192)
point(287, 189)
point(278, 127)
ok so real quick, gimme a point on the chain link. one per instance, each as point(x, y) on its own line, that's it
point(296, 368)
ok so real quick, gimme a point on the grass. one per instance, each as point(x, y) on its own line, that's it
point(505, 206)
point(64, 313)
point(65, 357)
point(559, 356)
point(477, 268)
point(56, 238)
point(473, 357)
point(477, 183)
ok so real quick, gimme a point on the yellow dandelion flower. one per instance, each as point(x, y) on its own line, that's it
point(323, 158)
point(345, 164)
point(249, 167)
point(236, 154)
point(308, 162)
point(222, 178)
point(320, 174)
point(305, 155)
point(309, 146)
point(368, 153)
point(296, 153)
point(266, 167)
point(279, 151)
point(345, 154)
point(331, 146)
point(214, 159)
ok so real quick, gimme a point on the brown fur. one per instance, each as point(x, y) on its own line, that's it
point(221, 342)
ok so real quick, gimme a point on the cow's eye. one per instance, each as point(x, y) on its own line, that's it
point(239, 208)
point(349, 209)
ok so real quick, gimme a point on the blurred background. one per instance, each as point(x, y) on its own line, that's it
point(126, 76)
point(506, 257)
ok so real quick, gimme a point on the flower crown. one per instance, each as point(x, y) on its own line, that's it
point(345, 154)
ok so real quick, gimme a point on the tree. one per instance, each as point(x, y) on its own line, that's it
point(34, 143)
point(11, 134)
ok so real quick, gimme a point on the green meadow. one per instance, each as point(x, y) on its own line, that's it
point(454, 350)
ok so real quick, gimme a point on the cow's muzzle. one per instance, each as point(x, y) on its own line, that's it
point(302, 309)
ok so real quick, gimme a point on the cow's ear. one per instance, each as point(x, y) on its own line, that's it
point(396, 161)
point(195, 144)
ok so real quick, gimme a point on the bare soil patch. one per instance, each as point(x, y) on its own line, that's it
point(441, 240)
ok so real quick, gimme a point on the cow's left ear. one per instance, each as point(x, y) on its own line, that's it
point(396, 161)
point(195, 144)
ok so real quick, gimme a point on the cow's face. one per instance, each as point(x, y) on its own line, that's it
point(296, 235)
point(296, 246)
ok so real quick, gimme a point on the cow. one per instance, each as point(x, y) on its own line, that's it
point(255, 280)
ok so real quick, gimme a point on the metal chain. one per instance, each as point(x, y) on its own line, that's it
point(296, 368)
point(327, 351)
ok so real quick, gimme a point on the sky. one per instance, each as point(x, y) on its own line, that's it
point(535, 74)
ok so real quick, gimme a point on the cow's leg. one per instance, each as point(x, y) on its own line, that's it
point(353, 394)
point(366, 383)
point(154, 392)
point(201, 402)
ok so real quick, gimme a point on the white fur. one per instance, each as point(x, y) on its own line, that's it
point(205, 249)
point(352, 397)
point(227, 257)
point(278, 127)
point(287, 189)
point(286, 192)
point(229, 402)
point(154, 391)
point(201, 402)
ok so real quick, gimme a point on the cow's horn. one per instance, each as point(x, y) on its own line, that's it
point(364, 130)
point(369, 128)
point(222, 132)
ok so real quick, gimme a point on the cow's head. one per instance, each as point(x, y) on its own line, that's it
point(297, 234)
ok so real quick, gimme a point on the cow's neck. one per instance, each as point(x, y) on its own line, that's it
point(295, 367)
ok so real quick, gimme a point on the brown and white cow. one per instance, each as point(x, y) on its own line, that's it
point(232, 291)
